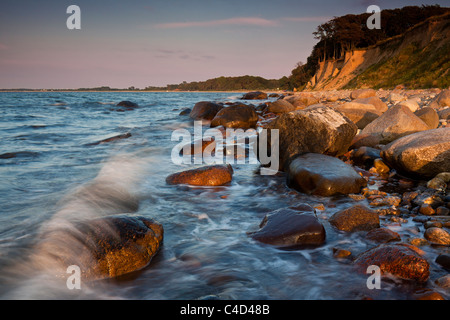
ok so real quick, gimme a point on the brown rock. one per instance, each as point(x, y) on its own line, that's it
point(360, 114)
point(382, 235)
point(323, 175)
point(444, 114)
point(437, 236)
point(198, 147)
point(429, 116)
point(255, 95)
point(400, 260)
point(443, 282)
point(236, 116)
point(395, 123)
point(106, 247)
point(428, 295)
point(216, 175)
point(290, 229)
point(319, 130)
point(362, 93)
point(356, 218)
point(302, 100)
point(205, 110)
point(424, 154)
point(441, 100)
point(280, 106)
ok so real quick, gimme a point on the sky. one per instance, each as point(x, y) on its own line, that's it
point(158, 42)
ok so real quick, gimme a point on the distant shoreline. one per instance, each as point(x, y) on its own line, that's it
point(136, 91)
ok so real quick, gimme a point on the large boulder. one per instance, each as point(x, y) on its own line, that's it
point(290, 229)
point(423, 154)
point(205, 110)
point(375, 101)
point(318, 130)
point(323, 175)
point(302, 100)
point(362, 93)
point(280, 106)
point(360, 114)
point(411, 104)
point(356, 218)
point(401, 260)
point(215, 175)
point(429, 116)
point(441, 100)
point(105, 247)
point(236, 116)
point(395, 123)
point(444, 114)
point(254, 95)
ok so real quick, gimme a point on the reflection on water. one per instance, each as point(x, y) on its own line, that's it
point(55, 179)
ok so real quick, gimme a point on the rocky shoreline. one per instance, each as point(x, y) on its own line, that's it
point(389, 149)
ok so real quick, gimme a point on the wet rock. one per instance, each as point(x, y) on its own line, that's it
point(216, 175)
point(254, 95)
point(341, 253)
point(323, 175)
point(280, 106)
point(427, 295)
point(380, 166)
point(429, 116)
point(356, 218)
point(198, 146)
point(185, 112)
point(442, 211)
point(437, 236)
point(432, 224)
point(424, 154)
point(443, 282)
point(290, 229)
point(365, 156)
point(395, 123)
point(386, 201)
point(128, 104)
point(362, 93)
point(319, 130)
point(383, 235)
point(205, 110)
point(444, 261)
point(426, 210)
point(106, 247)
point(112, 139)
point(236, 116)
point(400, 260)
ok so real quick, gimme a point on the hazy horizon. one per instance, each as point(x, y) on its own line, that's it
point(155, 43)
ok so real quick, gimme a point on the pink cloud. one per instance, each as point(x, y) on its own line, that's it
point(307, 19)
point(3, 47)
point(247, 21)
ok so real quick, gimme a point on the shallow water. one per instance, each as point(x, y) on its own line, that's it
point(206, 249)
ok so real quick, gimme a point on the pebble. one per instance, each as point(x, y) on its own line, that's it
point(443, 282)
point(427, 210)
point(380, 166)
